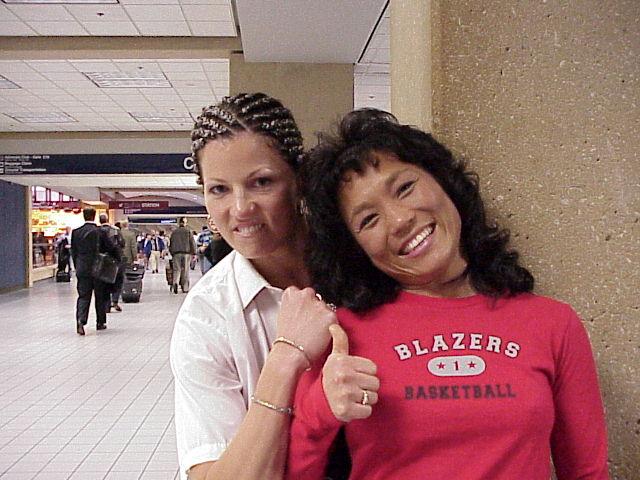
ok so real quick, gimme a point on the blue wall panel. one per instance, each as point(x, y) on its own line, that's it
point(13, 235)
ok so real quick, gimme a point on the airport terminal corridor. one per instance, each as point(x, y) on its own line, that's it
point(94, 407)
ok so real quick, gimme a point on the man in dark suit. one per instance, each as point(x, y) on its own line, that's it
point(87, 241)
point(111, 235)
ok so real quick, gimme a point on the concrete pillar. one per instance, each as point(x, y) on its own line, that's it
point(411, 62)
point(318, 94)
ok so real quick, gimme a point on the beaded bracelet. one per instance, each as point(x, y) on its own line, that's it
point(271, 406)
point(293, 344)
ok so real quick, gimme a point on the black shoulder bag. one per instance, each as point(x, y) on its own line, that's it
point(105, 267)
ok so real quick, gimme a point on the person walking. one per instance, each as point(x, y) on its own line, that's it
point(112, 233)
point(64, 250)
point(130, 250)
point(182, 248)
point(153, 247)
point(165, 240)
point(194, 259)
point(116, 290)
point(217, 249)
point(87, 242)
point(202, 243)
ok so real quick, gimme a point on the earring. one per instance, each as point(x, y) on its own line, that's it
point(302, 208)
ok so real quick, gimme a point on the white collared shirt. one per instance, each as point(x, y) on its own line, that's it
point(221, 339)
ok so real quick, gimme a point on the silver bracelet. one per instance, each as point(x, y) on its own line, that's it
point(271, 406)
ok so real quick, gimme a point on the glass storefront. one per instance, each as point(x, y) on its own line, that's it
point(52, 212)
point(47, 225)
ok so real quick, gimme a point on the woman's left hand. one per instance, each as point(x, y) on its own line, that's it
point(349, 382)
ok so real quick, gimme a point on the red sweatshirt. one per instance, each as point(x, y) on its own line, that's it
point(469, 390)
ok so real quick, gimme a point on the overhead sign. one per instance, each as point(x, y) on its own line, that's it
point(188, 210)
point(137, 205)
point(56, 205)
point(92, 164)
point(163, 221)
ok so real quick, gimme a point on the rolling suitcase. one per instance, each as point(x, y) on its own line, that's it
point(132, 284)
point(62, 276)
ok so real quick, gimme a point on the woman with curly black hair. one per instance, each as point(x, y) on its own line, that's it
point(444, 365)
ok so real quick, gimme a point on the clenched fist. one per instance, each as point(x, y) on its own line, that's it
point(305, 319)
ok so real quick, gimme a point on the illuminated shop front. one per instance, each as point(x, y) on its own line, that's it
point(51, 213)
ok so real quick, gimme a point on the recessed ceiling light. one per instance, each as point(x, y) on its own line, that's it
point(74, 2)
point(5, 83)
point(42, 117)
point(154, 117)
point(128, 80)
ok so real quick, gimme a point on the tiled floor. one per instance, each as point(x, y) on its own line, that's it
point(92, 407)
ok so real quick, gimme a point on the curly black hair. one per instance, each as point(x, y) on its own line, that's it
point(253, 112)
point(342, 272)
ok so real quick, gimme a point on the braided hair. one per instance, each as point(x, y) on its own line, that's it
point(248, 112)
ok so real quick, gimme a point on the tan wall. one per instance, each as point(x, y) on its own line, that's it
point(542, 98)
point(317, 94)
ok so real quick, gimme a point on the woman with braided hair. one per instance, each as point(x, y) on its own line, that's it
point(251, 325)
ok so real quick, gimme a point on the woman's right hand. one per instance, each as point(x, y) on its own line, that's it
point(305, 319)
point(345, 379)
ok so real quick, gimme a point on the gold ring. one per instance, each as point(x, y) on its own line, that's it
point(365, 398)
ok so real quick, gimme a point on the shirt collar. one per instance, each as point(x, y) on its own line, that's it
point(250, 282)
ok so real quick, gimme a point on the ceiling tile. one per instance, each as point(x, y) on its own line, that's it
point(98, 13)
point(183, 85)
point(208, 13)
point(66, 29)
point(7, 15)
point(218, 77)
point(114, 29)
point(206, 2)
point(149, 2)
point(67, 77)
point(157, 92)
point(382, 55)
point(93, 65)
point(137, 66)
point(213, 29)
point(26, 76)
point(41, 13)
point(14, 66)
point(16, 29)
point(168, 29)
point(46, 66)
point(383, 26)
point(374, 79)
point(35, 86)
point(181, 66)
point(182, 126)
point(122, 93)
point(157, 13)
point(155, 126)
